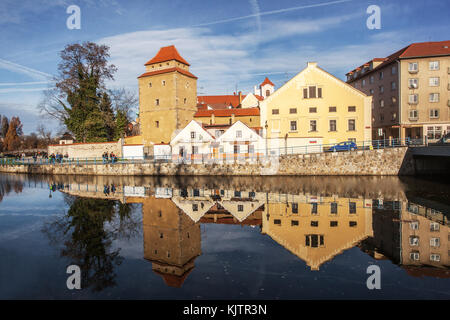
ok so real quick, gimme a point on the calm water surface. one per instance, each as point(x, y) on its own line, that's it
point(223, 238)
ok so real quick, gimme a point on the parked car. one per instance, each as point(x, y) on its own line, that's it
point(344, 146)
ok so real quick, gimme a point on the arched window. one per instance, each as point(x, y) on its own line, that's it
point(267, 93)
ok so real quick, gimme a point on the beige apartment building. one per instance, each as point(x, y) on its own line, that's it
point(410, 90)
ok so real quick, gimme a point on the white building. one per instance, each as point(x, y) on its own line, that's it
point(192, 143)
point(265, 89)
point(240, 141)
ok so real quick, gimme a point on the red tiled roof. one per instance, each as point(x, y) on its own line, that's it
point(259, 97)
point(182, 71)
point(421, 49)
point(267, 81)
point(228, 112)
point(224, 100)
point(167, 54)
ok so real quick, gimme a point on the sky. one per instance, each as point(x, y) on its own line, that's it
point(230, 45)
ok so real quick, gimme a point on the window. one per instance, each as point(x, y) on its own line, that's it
point(240, 207)
point(352, 207)
point(293, 125)
point(185, 100)
point(434, 113)
point(413, 83)
point(393, 85)
point(294, 207)
point(414, 256)
point(313, 125)
point(331, 109)
point(414, 225)
point(314, 223)
point(312, 92)
point(351, 109)
point(393, 101)
point(434, 97)
point(292, 110)
point(238, 134)
point(333, 208)
point(381, 89)
point(236, 149)
point(251, 148)
point(371, 91)
point(394, 116)
point(196, 193)
point(363, 83)
point(435, 257)
point(413, 67)
point(314, 240)
point(382, 103)
point(435, 242)
point(434, 65)
point(319, 92)
point(305, 93)
point(413, 98)
point(275, 111)
point(164, 82)
point(333, 223)
point(434, 226)
point(381, 75)
point(351, 125)
point(381, 117)
point(393, 70)
point(237, 194)
point(313, 208)
point(434, 82)
point(413, 114)
point(157, 102)
point(313, 110)
point(434, 132)
point(150, 85)
point(192, 134)
point(413, 241)
point(294, 222)
point(218, 133)
point(332, 125)
point(371, 79)
point(194, 207)
point(277, 221)
point(352, 223)
point(194, 150)
point(157, 124)
point(267, 93)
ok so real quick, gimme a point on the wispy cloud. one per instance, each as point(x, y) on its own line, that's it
point(33, 73)
point(29, 83)
point(265, 13)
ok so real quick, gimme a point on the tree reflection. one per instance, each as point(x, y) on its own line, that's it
point(86, 234)
point(7, 185)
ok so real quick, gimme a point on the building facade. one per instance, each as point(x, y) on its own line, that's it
point(410, 91)
point(167, 96)
point(315, 108)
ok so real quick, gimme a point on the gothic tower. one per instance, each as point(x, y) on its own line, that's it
point(167, 96)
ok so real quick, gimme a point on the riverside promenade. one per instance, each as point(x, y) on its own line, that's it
point(382, 162)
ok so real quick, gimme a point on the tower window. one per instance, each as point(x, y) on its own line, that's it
point(164, 82)
point(149, 84)
point(157, 102)
point(267, 93)
point(185, 100)
point(157, 124)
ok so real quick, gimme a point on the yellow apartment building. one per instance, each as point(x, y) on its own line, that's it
point(315, 108)
point(167, 96)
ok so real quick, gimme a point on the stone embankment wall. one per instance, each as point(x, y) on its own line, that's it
point(396, 161)
point(87, 150)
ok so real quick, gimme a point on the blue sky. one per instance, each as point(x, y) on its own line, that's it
point(229, 44)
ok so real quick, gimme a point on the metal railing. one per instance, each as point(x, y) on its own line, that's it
point(257, 155)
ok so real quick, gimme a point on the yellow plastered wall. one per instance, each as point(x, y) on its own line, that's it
point(133, 140)
point(335, 93)
point(251, 121)
point(177, 95)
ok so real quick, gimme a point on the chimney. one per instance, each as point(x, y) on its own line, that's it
point(240, 97)
point(213, 119)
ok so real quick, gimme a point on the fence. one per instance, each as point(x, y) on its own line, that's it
point(258, 155)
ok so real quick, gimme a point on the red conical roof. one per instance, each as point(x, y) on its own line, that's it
point(267, 81)
point(167, 54)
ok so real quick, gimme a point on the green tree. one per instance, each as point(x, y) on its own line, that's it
point(108, 116)
point(121, 124)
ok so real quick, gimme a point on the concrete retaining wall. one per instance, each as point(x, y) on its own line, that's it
point(87, 150)
point(397, 161)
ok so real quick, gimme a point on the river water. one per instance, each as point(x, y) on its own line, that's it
point(224, 238)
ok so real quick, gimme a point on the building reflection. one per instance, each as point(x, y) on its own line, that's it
point(410, 232)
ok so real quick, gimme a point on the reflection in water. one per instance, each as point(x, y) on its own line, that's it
point(86, 240)
point(316, 221)
point(7, 185)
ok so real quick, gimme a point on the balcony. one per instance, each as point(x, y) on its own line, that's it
point(413, 71)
